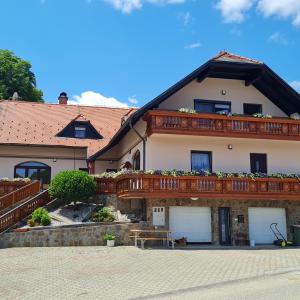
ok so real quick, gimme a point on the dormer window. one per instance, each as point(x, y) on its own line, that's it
point(80, 128)
point(80, 132)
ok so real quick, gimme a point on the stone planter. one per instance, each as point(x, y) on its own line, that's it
point(110, 243)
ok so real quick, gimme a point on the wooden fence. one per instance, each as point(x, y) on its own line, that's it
point(17, 214)
point(19, 194)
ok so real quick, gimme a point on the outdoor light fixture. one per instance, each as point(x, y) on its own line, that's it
point(54, 159)
point(223, 92)
point(229, 146)
point(194, 198)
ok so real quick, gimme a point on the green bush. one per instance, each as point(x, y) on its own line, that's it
point(68, 186)
point(45, 220)
point(103, 215)
point(39, 216)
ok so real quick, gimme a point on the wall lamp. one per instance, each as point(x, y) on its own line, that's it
point(230, 146)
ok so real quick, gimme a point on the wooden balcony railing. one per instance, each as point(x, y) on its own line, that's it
point(105, 186)
point(20, 194)
point(154, 186)
point(9, 186)
point(17, 214)
point(173, 122)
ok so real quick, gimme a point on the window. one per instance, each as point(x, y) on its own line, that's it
point(258, 163)
point(33, 170)
point(201, 161)
point(212, 106)
point(80, 132)
point(250, 109)
point(136, 160)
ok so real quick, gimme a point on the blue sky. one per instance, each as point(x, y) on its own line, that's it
point(126, 52)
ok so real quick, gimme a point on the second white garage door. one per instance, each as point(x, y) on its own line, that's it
point(194, 223)
point(260, 219)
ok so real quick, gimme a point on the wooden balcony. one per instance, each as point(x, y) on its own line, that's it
point(204, 187)
point(202, 124)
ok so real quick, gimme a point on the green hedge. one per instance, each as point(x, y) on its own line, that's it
point(68, 186)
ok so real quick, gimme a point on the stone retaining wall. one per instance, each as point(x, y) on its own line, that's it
point(70, 235)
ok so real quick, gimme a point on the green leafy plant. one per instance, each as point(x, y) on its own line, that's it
point(5, 179)
point(45, 220)
point(187, 110)
point(262, 116)
point(39, 216)
point(68, 186)
point(219, 174)
point(103, 215)
point(109, 237)
point(295, 116)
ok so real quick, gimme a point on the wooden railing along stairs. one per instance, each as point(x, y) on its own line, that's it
point(17, 205)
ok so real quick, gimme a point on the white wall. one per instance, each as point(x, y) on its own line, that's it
point(210, 89)
point(174, 152)
point(124, 150)
point(7, 165)
point(13, 155)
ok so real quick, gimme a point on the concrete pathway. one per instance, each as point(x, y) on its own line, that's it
point(130, 273)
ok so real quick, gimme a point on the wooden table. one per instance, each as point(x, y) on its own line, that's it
point(138, 232)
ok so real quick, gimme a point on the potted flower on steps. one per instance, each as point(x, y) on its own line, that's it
point(110, 239)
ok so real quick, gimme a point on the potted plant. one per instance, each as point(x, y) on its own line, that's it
point(110, 239)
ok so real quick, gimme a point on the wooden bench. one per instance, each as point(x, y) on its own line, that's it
point(137, 237)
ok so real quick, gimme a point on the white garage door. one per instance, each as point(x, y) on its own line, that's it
point(260, 219)
point(194, 223)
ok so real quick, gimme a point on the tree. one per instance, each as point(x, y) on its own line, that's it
point(72, 186)
point(16, 76)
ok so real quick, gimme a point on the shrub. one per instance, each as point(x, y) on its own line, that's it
point(103, 215)
point(68, 186)
point(109, 237)
point(39, 216)
point(30, 223)
point(45, 220)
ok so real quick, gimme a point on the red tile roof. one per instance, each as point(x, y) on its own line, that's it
point(33, 123)
point(227, 56)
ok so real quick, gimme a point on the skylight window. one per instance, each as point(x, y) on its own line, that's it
point(80, 132)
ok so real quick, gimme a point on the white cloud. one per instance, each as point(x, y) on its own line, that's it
point(234, 10)
point(91, 98)
point(279, 38)
point(296, 85)
point(193, 46)
point(281, 8)
point(186, 18)
point(133, 100)
point(127, 6)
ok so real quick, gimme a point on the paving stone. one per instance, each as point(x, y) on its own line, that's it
point(128, 272)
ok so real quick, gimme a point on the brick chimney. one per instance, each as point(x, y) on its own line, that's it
point(63, 98)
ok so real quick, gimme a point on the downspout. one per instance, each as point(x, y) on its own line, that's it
point(144, 144)
point(144, 205)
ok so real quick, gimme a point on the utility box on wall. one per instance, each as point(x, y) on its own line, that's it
point(158, 216)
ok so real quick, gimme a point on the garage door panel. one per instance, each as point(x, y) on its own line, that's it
point(260, 219)
point(194, 223)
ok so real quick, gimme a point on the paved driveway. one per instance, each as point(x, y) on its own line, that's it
point(127, 272)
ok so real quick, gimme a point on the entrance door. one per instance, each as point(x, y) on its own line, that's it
point(224, 226)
